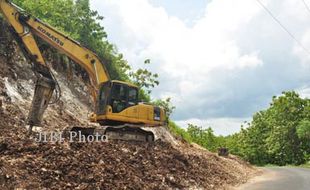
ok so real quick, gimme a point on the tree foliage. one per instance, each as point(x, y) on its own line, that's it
point(272, 136)
point(145, 80)
point(203, 137)
point(166, 105)
point(303, 130)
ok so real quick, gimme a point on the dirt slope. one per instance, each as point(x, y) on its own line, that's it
point(103, 165)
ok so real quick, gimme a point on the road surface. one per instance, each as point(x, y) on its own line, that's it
point(280, 178)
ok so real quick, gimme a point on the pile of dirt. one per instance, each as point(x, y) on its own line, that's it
point(27, 164)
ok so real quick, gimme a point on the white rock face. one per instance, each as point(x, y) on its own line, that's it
point(11, 90)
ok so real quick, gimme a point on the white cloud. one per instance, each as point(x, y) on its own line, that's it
point(249, 61)
point(178, 51)
point(304, 55)
point(227, 64)
point(304, 92)
point(220, 126)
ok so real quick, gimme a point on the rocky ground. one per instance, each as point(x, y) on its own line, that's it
point(166, 164)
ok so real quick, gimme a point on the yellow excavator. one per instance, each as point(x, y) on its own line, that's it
point(116, 102)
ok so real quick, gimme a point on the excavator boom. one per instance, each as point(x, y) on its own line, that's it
point(116, 101)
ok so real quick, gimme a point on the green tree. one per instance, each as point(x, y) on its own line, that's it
point(303, 130)
point(204, 137)
point(272, 137)
point(145, 80)
point(167, 105)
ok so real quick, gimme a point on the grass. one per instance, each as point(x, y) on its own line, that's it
point(178, 131)
point(306, 165)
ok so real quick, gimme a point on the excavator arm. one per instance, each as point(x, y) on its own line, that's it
point(24, 27)
point(24, 37)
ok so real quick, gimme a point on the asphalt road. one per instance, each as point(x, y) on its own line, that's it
point(280, 178)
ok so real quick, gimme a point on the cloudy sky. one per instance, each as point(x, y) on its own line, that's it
point(220, 60)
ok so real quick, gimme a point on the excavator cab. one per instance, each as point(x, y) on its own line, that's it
point(118, 103)
point(117, 95)
point(118, 100)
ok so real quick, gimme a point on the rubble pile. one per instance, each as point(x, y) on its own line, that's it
point(27, 164)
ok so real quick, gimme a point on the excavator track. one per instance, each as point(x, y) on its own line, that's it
point(124, 132)
point(129, 133)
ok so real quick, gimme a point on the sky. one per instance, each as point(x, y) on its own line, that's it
point(219, 60)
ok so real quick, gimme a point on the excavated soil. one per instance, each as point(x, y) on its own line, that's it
point(108, 165)
point(25, 164)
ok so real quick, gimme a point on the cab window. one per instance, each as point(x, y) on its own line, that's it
point(102, 101)
point(102, 94)
point(119, 98)
point(119, 92)
point(132, 96)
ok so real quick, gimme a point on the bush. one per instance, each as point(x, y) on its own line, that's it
point(178, 131)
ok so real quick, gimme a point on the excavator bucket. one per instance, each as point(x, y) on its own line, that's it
point(42, 95)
